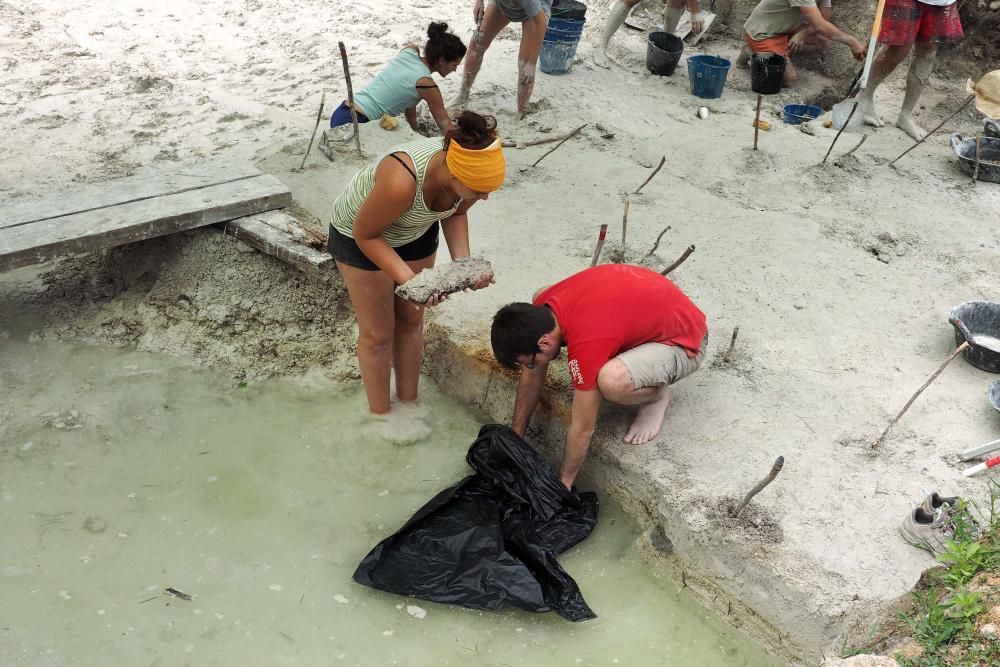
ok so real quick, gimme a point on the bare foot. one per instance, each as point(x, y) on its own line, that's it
point(871, 116)
point(905, 122)
point(601, 58)
point(649, 419)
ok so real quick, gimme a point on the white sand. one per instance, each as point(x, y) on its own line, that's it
point(841, 276)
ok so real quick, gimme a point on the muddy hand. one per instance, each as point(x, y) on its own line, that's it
point(485, 280)
point(436, 300)
point(697, 23)
point(478, 11)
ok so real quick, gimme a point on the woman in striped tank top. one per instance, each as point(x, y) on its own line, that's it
point(384, 231)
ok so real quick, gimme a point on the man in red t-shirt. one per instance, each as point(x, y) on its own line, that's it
point(630, 334)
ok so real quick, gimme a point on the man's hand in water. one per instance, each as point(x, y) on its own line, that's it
point(478, 11)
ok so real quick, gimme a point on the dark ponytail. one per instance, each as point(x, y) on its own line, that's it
point(442, 45)
point(472, 131)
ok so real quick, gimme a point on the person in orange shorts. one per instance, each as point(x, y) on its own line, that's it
point(788, 27)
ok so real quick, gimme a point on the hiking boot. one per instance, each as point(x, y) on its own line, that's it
point(935, 502)
point(927, 530)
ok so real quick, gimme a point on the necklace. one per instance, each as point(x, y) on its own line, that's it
point(444, 190)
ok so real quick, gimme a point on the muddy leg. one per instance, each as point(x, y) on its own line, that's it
point(885, 62)
point(372, 297)
point(408, 342)
point(493, 23)
point(916, 78)
point(532, 34)
point(616, 18)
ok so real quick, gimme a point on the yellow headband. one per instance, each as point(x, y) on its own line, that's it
point(482, 170)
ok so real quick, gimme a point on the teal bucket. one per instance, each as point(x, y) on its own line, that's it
point(559, 45)
point(707, 75)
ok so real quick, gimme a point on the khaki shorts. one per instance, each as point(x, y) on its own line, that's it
point(653, 364)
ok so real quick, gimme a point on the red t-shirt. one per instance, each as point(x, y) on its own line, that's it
point(610, 308)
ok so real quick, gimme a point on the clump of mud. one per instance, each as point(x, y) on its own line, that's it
point(754, 521)
point(445, 279)
point(200, 295)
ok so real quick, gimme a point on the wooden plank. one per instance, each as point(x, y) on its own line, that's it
point(123, 191)
point(273, 234)
point(108, 227)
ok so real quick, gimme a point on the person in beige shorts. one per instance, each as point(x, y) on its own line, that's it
point(653, 364)
point(629, 332)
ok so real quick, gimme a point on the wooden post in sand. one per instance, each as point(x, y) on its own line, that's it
point(841, 131)
point(319, 117)
point(350, 98)
point(756, 121)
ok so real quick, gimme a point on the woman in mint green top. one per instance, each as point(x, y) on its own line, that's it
point(406, 80)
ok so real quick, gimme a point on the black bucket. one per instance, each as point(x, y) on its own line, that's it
point(569, 10)
point(766, 72)
point(663, 52)
point(994, 395)
point(982, 318)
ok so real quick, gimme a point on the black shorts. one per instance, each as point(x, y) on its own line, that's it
point(344, 249)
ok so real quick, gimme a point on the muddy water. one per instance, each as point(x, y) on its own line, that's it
point(123, 474)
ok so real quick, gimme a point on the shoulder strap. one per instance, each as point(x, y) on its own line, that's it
point(405, 166)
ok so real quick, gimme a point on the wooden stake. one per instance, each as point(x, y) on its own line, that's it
point(775, 469)
point(600, 244)
point(840, 132)
point(864, 138)
point(680, 260)
point(657, 244)
point(939, 126)
point(958, 350)
point(568, 136)
point(319, 117)
point(655, 171)
point(624, 228)
point(975, 169)
point(350, 98)
point(537, 142)
point(732, 344)
point(756, 121)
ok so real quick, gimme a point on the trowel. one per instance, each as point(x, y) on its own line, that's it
point(842, 111)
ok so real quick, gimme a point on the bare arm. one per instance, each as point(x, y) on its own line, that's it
point(814, 18)
point(411, 117)
point(804, 35)
point(586, 405)
point(529, 392)
point(390, 197)
point(456, 231)
point(430, 93)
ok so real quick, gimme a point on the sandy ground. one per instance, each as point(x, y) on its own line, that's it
point(840, 276)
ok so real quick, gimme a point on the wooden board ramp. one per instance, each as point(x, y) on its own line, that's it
point(282, 235)
point(132, 209)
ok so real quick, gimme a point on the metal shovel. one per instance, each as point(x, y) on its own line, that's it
point(849, 114)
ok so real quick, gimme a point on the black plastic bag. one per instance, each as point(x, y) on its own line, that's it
point(491, 541)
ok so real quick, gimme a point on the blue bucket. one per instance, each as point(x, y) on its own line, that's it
point(796, 114)
point(559, 45)
point(707, 75)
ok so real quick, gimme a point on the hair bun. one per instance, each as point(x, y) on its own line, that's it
point(436, 30)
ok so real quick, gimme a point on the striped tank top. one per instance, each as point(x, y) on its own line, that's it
point(412, 224)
